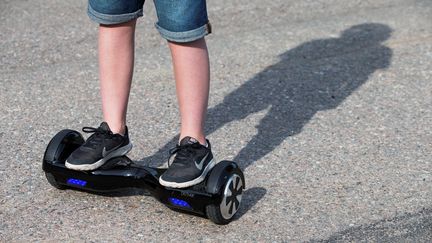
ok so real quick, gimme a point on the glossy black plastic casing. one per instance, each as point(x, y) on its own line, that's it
point(121, 172)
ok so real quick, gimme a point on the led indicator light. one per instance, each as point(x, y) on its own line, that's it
point(76, 182)
point(178, 202)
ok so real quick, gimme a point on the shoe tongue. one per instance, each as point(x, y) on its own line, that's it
point(104, 126)
point(188, 140)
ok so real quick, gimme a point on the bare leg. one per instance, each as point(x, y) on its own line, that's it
point(116, 61)
point(192, 75)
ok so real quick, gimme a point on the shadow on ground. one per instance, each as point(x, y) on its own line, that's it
point(250, 197)
point(410, 227)
point(315, 76)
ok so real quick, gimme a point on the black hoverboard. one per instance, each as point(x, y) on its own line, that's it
point(218, 197)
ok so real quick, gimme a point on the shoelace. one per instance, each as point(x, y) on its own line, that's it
point(96, 137)
point(184, 152)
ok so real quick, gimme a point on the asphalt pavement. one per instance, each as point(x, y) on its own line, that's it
point(325, 105)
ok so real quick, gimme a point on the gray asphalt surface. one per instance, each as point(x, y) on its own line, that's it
point(326, 105)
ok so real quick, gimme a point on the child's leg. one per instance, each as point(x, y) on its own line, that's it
point(116, 61)
point(116, 21)
point(192, 75)
point(184, 24)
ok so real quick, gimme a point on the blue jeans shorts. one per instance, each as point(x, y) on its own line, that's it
point(178, 20)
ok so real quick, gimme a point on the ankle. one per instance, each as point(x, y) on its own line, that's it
point(200, 138)
point(117, 128)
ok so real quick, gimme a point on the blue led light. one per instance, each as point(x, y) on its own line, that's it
point(178, 202)
point(76, 182)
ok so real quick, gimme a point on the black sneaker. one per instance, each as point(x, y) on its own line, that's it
point(101, 146)
point(190, 166)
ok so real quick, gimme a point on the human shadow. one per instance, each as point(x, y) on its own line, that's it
point(315, 76)
point(250, 197)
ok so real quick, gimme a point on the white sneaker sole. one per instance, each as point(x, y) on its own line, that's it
point(117, 153)
point(195, 181)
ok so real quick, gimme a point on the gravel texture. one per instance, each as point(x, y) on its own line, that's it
point(325, 104)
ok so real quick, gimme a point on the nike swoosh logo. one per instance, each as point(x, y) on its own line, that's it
point(201, 163)
point(105, 152)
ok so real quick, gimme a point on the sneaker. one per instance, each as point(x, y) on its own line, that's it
point(190, 166)
point(101, 146)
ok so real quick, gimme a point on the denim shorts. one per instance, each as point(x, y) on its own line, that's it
point(178, 20)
